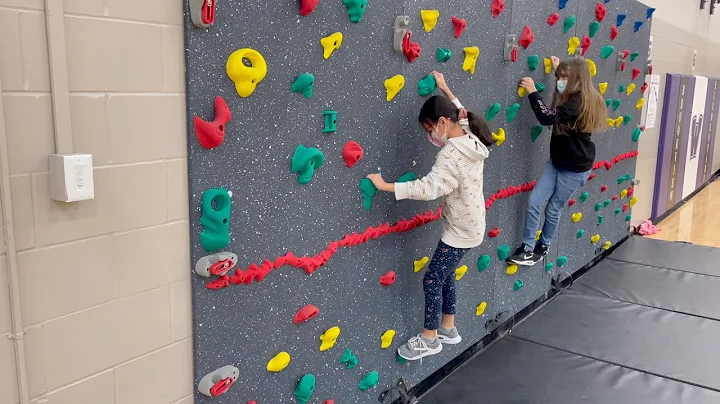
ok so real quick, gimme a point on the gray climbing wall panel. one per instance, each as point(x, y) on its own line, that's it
point(247, 325)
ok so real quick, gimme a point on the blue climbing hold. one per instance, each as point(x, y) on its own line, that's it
point(638, 24)
point(607, 1)
point(650, 12)
point(563, 3)
point(620, 19)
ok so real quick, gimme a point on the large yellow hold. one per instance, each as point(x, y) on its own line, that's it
point(511, 269)
point(521, 91)
point(471, 57)
point(603, 87)
point(460, 272)
point(330, 43)
point(633, 201)
point(499, 137)
point(548, 65)
point(592, 67)
point(329, 338)
point(420, 264)
point(393, 85)
point(594, 239)
point(387, 339)
point(279, 362)
point(246, 78)
point(576, 217)
point(573, 43)
point(429, 19)
point(480, 309)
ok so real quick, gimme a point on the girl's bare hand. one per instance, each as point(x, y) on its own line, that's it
point(555, 62)
point(528, 84)
point(462, 113)
point(439, 80)
point(378, 181)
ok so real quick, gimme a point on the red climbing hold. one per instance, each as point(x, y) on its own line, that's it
point(459, 25)
point(613, 33)
point(410, 49)
point(625, 207)
point(388, 279)
point(352, 153)
point(527, 37)
point(329, 402)
point(626, 53)
point(252, 402)
point(585, 44)
point(622, 66)
point(305, 314)
point(603, 188)
point(631, 191)
point(308, 6)
point(635, 73)
point(615, 197)
point(600, 12)
point(211, 134)
point(643, 88)
point(221, 386)
point(650, 70)
point(497, 7)
point(219, 283)
point(514, 54)
point(553, 19)
point(571, 202)
point(494, 232)
point(592, 175)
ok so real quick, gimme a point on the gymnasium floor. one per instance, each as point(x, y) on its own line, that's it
point(641, 326)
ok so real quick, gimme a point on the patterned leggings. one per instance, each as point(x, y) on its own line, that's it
point(440, 275)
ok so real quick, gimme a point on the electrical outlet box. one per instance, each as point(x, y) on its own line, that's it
point(71, 177)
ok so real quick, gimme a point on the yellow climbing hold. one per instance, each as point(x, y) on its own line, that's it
point(618, 121)
point(429, 19)
point(511, 269)
point(246, 78)
point(537, 235)
point(499, 137)
point(480, 309)
point(279, 362)
point(471, 57)
point(576, 217)
point(639, 104)
point(607, 245)
point(603, 87)
point(592, 67)
point(630, 88)
point(633, 201)
point(594, 239)
point(610, 122)
point(420, 264)
point(573, 43)
point(387, 338)
point(460, 272)
point(330, 43)
point(548, 65)
point(393, 85)
point(623, 193)
point(329, 338)
point(521, 91)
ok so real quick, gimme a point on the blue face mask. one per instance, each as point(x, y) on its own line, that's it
point(561, 84)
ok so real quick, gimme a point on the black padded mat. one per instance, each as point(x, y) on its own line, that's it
point(659, 342)
point(663, 288)
point(514, 371)
point(669, 254)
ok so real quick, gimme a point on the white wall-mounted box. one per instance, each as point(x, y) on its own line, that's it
point(71, 177)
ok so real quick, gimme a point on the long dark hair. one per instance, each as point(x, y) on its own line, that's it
point(438, 106)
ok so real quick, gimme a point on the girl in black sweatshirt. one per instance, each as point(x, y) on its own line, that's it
point(577, 111)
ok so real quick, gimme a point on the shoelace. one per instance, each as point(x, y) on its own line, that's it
point(418, 343)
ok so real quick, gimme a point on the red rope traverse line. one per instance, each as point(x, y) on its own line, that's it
point(257, 273)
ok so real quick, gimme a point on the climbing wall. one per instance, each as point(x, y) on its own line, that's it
point(246, 318)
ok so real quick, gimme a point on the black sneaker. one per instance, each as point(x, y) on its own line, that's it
point(541, 250)
point(522, 257)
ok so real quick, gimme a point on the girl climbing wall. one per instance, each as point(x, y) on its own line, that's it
point(456, 175)
point(578, 110)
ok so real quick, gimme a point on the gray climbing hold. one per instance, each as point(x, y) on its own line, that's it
point(225, 259)
point(209, 380)
point(401, 24)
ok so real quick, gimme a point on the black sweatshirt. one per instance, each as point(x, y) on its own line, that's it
point(573, 151)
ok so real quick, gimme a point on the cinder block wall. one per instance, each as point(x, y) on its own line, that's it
point(678, 29)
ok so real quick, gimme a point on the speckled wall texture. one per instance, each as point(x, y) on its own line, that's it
point(246, 325)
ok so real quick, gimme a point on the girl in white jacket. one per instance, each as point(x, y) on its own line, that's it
point(456, 175)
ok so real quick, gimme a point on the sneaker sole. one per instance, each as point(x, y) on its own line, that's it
point(422, 355)
point(450, 341)
point(527, 263)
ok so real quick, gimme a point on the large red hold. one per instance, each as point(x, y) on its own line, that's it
point(585, 44)
point(459, 25)
point(635, 73)
point(613, 33)
point(352, 153)
point(306, 313)
point(527, 37)
point(212, 134)
point(411, 49)
point(600, 12)
point(553, 19)
point(497, 7)
point(644, 88)
point(388, 279)
point(308, 6)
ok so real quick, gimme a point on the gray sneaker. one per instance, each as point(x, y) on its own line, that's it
point(448, 336)
point(419, 347)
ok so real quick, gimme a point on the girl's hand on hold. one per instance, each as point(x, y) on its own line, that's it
point(379, 182)
point(555, 62)
point(439, 80)
point(528, 84)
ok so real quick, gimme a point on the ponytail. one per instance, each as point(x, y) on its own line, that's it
point(480, 128)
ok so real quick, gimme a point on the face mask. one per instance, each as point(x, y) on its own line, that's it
point(437, 139)
point(561, 85)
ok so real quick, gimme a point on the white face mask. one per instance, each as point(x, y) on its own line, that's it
point(437, 139)
point(561, 85)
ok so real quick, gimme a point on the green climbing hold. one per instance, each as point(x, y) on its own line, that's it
point(305, 388)
point(400, 359)
point(511, 112)
point(305, 161)
point(627, 119)
point(368, 190)
point(568, 24)
point(617, 211)
point(608, 102)
point(634, 56)
point(636, 134)
point(600, 219)
point(626, 177)
point(584, 196)
point(580, 234)
point(561, 261)
point(607, 51)
point(349, 359)
point(427, 85)
point(518, 284)
point(536, 131)
point(443, 55)
point(607, 202)
point(532, 62)
point(407, 177)
point(215, 220)
point(492, 111)
point(598, 206)
point(503, 252)
point(621, 88)
point(369, 381)
point(548, 267)
point(616, 104)
point(594, 27)
point(628, 218)
point(483, 262)
point(356, 9)
point(304, 84)
point(540, 87)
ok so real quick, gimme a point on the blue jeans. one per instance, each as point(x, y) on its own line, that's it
point(555, 187)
